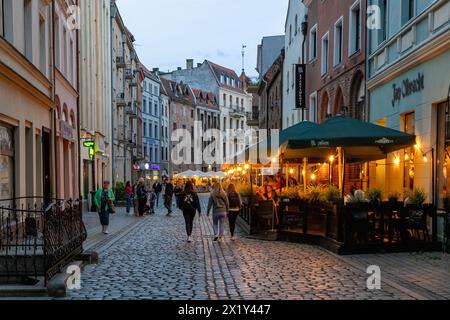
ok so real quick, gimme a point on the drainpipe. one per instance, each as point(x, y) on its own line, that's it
point(304, 33)
point(113, 160)
point(53, 114)
point(77, 44)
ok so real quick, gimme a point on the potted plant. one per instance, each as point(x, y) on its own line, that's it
point(393, 197)
point(375, 196)
point(417, 197)
point(333, 195)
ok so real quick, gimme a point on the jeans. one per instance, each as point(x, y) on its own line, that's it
point(219, 223)
point(189, 220)
point(168, 203)
point(104, 217)
point(232, 217)
point(129, 202)
point(157, 199)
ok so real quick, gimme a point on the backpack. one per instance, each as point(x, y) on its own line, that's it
point(188, 202)
point(233, 199)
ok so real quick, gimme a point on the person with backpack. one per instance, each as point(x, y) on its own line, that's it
point(189, 204)
point(235, 202)
point(218, 202)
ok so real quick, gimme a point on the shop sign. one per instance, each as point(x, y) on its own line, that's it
point(407, 88)
point(66, 130)
point(91, 146)
point(384, 141)
point(155, 167)
point(300, 86)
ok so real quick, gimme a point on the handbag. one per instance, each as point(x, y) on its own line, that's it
point(112, 207)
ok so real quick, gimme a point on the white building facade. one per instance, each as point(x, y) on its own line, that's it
point(293, 56)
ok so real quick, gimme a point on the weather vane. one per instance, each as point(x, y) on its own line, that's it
point(243, 57)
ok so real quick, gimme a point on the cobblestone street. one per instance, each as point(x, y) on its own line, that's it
point(153, 261)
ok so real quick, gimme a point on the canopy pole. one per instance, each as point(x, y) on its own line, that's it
point(340, 168)
point(343, 173)
point(305, 183)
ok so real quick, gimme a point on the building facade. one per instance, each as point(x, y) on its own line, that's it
point(165, 130)
point(66, 103)
point(234, 102)
point(268, 52)
point(95, 94)
point(336, 59)
point(27, 124)
point(152, 130)
point(293, 55)
point(271, 95)
point(182, 116)
point(408, 90)
point(126, 90)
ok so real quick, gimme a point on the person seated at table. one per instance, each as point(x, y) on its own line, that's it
point(261, 194)
point(271, 182)
point(271, 194)
point(292, 182)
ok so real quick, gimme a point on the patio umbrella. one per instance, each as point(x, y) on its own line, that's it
point(186, 174)
point(361, 141)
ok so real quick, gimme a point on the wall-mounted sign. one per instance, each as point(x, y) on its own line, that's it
point(300, 86)
point(66, 130)
point(91, 146)
point(407, 88)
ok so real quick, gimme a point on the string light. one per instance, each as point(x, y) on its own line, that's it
point(425, 159)
point(397, 161)
point(246, 167)
point(303, 172)
point(331, 158)
point(313, 177)
point(274, 159)
point(291, 171)
point(406, 157)
point(244, 172)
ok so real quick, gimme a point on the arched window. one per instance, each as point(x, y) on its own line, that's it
point(65, 113)
point(73, 122)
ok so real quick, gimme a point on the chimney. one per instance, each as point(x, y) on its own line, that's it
point(189, 64)
point(156, 70)
point(199, 65)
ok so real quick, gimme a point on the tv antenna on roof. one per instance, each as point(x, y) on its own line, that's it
point(243, 57)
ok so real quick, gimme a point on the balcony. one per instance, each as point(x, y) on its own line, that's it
point(237, 112)
point(120, 100)
point(252, 119)
point(120, 62)
point(128, 74)
point(131, 110)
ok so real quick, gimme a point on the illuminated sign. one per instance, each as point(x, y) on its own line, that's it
point(91, 145)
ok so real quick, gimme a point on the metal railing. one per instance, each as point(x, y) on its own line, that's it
point(38, 237)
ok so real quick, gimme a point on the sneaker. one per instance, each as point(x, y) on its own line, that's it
point(189, 239)
point(106, 232)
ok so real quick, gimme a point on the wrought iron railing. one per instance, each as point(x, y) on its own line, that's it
point(38, 237)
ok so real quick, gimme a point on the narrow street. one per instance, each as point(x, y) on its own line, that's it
point(151, 260)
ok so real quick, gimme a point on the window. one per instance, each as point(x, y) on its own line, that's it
point(224, 123)
point(296, 24)
point(70, 74)
point(151, 153)
point(43, 49)
point(8, 22)
point(144, 103)
point(409, 127)
point(290, 34)
point(28, 32)
point(338, 40)
point(231, 123)
point(192, 113)
point(174, 127)
point(145, 129)
point(313, 43)
point(57, 44)
point(242, 103)
point(145, 151)
point(355, 28)
point(237, 102)
point(156, 131)
point(408, 10)
point(222, 78)
point(224, 100)
point(287, 82)
point(231, 101)
point(150, 130)
point(382, 33)
point(64, 54)
point(325, 47)
point(313, 107)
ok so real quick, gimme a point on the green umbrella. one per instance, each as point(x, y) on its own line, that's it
point(362, 141)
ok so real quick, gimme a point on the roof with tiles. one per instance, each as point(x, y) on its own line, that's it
point(220, 70)
point(205, 99)
point(178, 92)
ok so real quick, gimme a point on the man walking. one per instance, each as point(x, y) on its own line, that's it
point(157, 186)
point(168, 195)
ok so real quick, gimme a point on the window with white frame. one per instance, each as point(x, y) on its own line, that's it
point(383, 31)
point(313, 43)
point(338, 41)
point(325, 54)
point(313, 107)
point(355, 28)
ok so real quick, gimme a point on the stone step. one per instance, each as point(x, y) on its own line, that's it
point(19, 291)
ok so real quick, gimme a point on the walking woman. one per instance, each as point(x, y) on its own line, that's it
point(218, 202)
point(141, 194)
point(103, 199)
point(190, 204)
point(235, 202)
point(129, 194)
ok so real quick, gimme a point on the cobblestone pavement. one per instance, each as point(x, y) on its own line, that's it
point(153, 261)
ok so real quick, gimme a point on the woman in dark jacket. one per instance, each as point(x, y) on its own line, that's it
point(189, 204)
point(235, 202)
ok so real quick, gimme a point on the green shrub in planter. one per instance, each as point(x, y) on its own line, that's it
point(120, 191)
point(417, 197)
point(332, 194)
point(316, 194)
point(393, 197)
point(375, 195)
point(290, 193)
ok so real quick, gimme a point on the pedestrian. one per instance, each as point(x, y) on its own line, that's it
point(103, 199)
point(129, 195)
point(218, 202)
point(152, 200)
point(168, 196)
point(235, 203)
point(189, 204)
point(141, 195)
point(178, 190)
point(157, 186)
